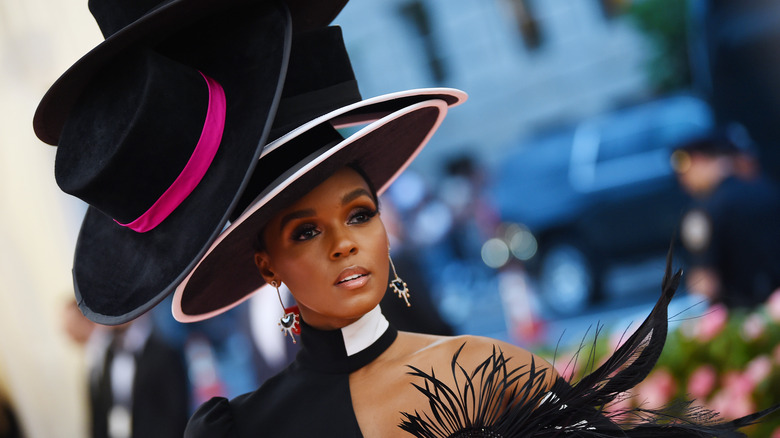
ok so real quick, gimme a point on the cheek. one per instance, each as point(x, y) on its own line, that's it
point(380, 252)
point(287, 262)
point(298, 266)
point(379, 239)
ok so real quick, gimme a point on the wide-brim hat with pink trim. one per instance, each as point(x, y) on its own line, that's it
point(291, 166)
point(165, 130)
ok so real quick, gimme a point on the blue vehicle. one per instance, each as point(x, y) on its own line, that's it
point(599, 198)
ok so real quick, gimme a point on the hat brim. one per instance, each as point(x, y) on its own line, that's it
point(155, 27)
point(355, 114)
point(118, 273)
point(227, 275)
point(372, 109)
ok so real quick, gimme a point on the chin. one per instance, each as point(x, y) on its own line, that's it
point(360, 305)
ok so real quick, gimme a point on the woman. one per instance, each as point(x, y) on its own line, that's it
point(332, 255)
point(315, 227)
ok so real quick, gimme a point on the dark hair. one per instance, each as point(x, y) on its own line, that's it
point(259, 244)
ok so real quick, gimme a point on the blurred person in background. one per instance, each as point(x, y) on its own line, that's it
point(229, 354)
point(474, 219)
point(731, 230)
point(9, 425)
point(138, 384)
point(424, 316)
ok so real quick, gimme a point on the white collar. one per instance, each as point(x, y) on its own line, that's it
point(365, 331)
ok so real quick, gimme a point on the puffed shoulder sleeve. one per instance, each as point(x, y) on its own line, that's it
point(213, 419)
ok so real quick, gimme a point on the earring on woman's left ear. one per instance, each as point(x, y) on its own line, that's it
point(290, 321)
point(397, 284)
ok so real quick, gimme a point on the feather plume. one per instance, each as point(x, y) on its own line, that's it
point(489, 402)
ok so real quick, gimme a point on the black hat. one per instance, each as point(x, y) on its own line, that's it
point(162, 140)
point(168, 25)
point(293, 165)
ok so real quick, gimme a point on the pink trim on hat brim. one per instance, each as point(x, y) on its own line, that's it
point(197, 165)
point(176, 308)
point(339, 117)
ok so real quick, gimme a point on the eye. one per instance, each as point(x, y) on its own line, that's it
point(304, 232)
point(361, 215)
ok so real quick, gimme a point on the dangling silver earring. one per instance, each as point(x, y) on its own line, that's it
point(398, 285)
point(289, 322)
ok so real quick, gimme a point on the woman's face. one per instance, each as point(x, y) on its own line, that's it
point(330, 249)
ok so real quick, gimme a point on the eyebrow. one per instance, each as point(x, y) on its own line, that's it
point(296, 215)
point(351, 196)
point(309, 212)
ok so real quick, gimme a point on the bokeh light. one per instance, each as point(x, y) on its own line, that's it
point(522, 243)
point(495, 253)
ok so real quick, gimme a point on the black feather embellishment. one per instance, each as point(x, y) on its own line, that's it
point(489, 402)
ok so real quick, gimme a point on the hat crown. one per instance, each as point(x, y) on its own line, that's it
point(319, 79)
point(113, 15)
point(122, 148)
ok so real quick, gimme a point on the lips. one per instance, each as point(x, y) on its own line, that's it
point(353, 276)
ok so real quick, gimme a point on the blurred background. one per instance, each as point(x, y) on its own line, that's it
point(543, 205)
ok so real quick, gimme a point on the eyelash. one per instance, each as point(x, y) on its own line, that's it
point(300, 232)
point(362, 211)
point(308, 231)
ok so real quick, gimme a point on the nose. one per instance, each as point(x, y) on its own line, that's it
point(343, 245)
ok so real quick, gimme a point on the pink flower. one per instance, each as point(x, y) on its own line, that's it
point(702, 381)
point(720, 402)
point(712, 322)
point(773, 306)
point(753, 327)
point(731, 405)
point(738, 384)
point(776, 433)
point(734, 399)
point(623, 403)
point(742, 406)
point(657, 389)
point(758, 369)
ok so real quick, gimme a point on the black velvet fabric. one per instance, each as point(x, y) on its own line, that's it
point(128, 24)
point(131, 134)
point(309, 398)
point(319, 79)
point(113, 15)
point(311, 14)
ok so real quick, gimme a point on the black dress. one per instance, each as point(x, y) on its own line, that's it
point(311, 397)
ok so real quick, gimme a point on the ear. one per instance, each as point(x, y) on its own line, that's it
point(263, 264)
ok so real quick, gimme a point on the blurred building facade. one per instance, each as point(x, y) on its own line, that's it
point(526, 64)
